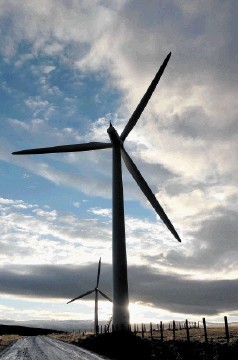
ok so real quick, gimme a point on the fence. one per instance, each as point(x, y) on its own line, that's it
point(186, 331)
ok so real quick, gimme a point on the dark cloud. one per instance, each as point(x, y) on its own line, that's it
point(215, 245)
point(173, 293)
point(178, 294)
point(51, 281)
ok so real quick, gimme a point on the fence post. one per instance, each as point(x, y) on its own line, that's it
point(226, 329)
point(142, 330)
point(174, 328)
point(187, 330)
point(161, 331)
point(151, 331)
point(205, 329)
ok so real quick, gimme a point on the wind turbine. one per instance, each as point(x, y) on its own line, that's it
point(96, 290)
point(119, 259)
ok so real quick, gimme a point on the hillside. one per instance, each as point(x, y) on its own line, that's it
point(24, 330)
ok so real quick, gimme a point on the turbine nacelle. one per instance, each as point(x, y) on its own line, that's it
point(114, 136)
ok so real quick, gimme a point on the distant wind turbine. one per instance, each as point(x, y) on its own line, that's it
point(96, 290)
point(119, 259)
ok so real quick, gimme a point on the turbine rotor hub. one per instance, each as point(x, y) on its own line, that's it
point(114, 136)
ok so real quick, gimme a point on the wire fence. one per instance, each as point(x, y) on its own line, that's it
point(185, 331)
point(188, 331)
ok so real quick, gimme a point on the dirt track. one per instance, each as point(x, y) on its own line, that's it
point(45, 348)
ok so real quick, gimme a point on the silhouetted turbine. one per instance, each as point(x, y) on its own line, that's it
point(119, 261)
point(96, 290)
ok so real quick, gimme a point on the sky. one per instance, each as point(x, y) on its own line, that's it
point(68, 69)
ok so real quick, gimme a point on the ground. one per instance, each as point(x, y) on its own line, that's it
point(214, 334)
point(6, 340)
point(152, 348)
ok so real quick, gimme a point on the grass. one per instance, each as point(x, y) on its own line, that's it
point(7, 340)
point(214, 334)
point(131, 347)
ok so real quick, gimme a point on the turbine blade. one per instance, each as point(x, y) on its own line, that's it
point(65, 148)
point(99, 269)
point(104, 295)
point(147, 191)
point(144, 101)
point(81, 296)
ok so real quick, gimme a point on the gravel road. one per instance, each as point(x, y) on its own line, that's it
point(45, 348)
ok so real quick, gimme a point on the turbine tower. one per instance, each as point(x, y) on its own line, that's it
point(119, 260)
point(96, 290)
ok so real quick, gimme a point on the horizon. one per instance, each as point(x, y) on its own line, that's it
point(88, 325)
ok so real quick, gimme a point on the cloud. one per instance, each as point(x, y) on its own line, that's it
point(102, 212)
point(77, 204)
point(179, 294)
point(171, 293)
point(51, 28)
point(41, 236)
point(48, 69)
